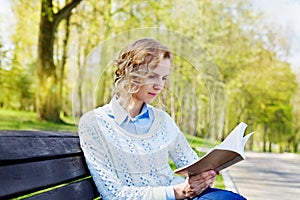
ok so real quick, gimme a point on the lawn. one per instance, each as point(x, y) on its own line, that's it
point(22, 120)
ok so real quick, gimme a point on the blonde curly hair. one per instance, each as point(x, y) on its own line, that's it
point(134, 64)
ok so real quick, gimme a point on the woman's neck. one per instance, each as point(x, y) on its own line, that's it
point(135, 111)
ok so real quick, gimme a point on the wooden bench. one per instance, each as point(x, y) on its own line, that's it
point(43, 165)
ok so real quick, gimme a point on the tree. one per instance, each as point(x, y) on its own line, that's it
point(48, 105)
point(294, 140)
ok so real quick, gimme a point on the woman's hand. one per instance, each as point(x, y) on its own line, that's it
point(194, 185)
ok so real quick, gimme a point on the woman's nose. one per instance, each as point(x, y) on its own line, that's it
point(158, 86)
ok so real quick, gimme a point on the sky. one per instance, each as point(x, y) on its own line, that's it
point(6, 20)
point(285, 13)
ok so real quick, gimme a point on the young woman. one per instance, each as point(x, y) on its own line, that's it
point(127, 143)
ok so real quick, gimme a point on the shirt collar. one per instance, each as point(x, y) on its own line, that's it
point(120, 114)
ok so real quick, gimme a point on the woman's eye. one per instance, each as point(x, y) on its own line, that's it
point(152, 77)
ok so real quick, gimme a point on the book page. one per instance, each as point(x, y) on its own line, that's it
point(234, 141)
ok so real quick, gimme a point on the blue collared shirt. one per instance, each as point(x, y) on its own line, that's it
point(137, 125)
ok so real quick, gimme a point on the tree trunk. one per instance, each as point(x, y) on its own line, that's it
point(265, 139)
point(48, 105)
point(47, 79)
point(296, 147)
point(64, 61)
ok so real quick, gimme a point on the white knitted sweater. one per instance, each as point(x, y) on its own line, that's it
point(129, 166)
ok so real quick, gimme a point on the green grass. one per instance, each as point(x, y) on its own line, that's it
point(195, 141)
point(23, 120)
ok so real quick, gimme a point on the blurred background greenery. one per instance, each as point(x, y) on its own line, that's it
point(52, 39)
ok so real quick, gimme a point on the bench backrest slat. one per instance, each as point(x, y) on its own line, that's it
point(76, 191)
point(40, 174)
point(31, 145)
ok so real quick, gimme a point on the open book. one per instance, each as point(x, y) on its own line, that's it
point(229, 152)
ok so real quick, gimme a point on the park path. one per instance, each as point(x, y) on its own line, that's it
point(266, 176)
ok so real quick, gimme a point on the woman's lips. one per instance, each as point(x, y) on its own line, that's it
point(152, 94)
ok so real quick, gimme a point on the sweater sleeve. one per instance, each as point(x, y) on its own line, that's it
point(101, 166)
point(180, 150)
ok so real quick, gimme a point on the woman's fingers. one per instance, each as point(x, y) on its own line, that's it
point(203, 176)
point(195, 185)
point(198, 183)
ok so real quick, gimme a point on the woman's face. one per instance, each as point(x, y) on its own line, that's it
point(154, 83)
